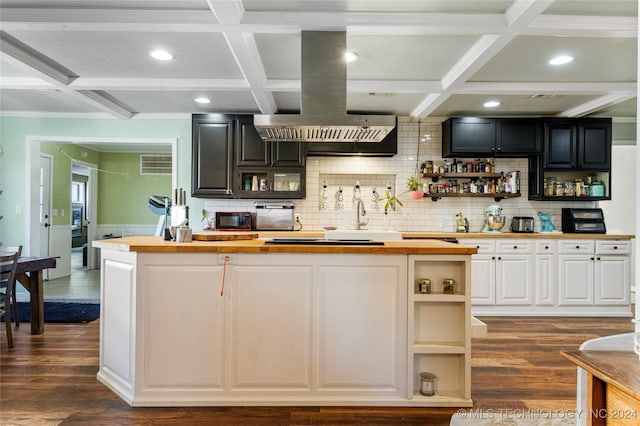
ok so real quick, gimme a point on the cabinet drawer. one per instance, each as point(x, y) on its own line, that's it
point(543, 247)
point(577, 246)
point(514, 246)
point(484, 246)
point(613, 247)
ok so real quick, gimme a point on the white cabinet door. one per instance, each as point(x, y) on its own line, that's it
point(612, 280)
point(362, 326)
point(513, 279)
point(483, 277)
point(576, 280)
point(546, 279)
point(546, 272)
point(271, 328)
point(182, 310)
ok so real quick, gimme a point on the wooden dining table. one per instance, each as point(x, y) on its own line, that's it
point(29, 274)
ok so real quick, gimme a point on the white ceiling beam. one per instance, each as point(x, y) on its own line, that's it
point(517, 16)
point(525, 88)
point(164, 84)
point(392, 23)
point(57, 76)
point(245, 51)
point(596, 104)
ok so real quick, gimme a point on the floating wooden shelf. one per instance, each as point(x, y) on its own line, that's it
point(436, 176)
point(495, 195)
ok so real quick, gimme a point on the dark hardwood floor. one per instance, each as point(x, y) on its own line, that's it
point(51, 379)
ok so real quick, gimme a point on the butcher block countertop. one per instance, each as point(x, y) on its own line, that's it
point(460, 235)
point(158, 245)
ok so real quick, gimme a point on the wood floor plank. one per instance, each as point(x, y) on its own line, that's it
point(51, 379)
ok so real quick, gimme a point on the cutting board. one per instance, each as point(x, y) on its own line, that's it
point(223, 235)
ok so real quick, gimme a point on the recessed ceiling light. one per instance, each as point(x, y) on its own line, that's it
point(561, 60)
point(350, 56)
point(161, 55)
point(202, 100)
point(491, 104)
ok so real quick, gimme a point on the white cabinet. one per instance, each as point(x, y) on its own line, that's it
point(289, 329)
point(439, 331)
point(502, 272)
point(595, 272)
point(579, 277)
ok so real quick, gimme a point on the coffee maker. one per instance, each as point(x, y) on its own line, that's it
point(494, 221)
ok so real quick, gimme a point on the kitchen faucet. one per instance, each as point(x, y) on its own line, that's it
point(360, 209)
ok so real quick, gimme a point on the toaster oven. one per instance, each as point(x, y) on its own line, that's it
point(588, 221)
point(274, 217)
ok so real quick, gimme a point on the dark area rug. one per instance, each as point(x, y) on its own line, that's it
point(69, 312)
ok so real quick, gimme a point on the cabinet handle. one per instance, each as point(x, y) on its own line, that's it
point(477, 246)
point(615, 247)
point(577, 247)
point(515, 247)
point(499, 258)
point(546, 247)
point(598, 258)
point(592, 258)
point(493, 258)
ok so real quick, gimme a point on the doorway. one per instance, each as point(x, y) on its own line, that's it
point(33, 244)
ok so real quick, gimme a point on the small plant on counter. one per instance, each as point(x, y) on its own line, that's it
point(205, 218)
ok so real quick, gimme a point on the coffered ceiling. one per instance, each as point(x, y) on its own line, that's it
point(417, 58)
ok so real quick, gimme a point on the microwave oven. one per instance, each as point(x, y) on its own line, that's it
point(234, 221)
point(588, 221)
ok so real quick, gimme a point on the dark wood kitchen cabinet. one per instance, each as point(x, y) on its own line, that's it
point(252, 151)
point(279, 167)
point(212, 156)
point(574, 148)
point(228, 152)
point(491, 137)
point(583, 144)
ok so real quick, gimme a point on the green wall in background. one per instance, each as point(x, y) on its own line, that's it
point(16, 131)
point(123, 193)
point(61, 182)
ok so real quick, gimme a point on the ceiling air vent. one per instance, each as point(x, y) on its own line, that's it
point(155, 164)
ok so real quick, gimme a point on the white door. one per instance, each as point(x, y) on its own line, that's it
point(44, 214)
point(92, 217)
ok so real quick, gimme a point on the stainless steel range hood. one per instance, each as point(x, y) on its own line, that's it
point(323, 105)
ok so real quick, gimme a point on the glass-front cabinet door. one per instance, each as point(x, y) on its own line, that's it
point(265, 183)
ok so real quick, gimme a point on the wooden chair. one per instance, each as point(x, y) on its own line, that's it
point(13, 288)
point(8, 266)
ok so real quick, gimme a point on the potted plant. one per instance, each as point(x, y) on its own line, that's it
point(416, 189)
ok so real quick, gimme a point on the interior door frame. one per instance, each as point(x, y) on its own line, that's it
point(32, 157)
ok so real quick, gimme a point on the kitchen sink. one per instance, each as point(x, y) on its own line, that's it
point(323, 241)
point(363, 234)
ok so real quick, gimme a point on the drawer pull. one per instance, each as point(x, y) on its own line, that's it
point(499, 258)
point(615, 247)
point(515, 247)
point(577, 247)
point(592, 258)
point(477, 246)
point(546, 247)
point(598, 257)
point(493, 258)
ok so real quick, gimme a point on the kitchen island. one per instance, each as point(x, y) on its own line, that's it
point(245, 323)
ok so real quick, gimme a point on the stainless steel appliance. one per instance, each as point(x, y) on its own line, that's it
point(494, 221)
point(234, 221)
point(522, 224)
point(589, 221)
point(274, 217)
